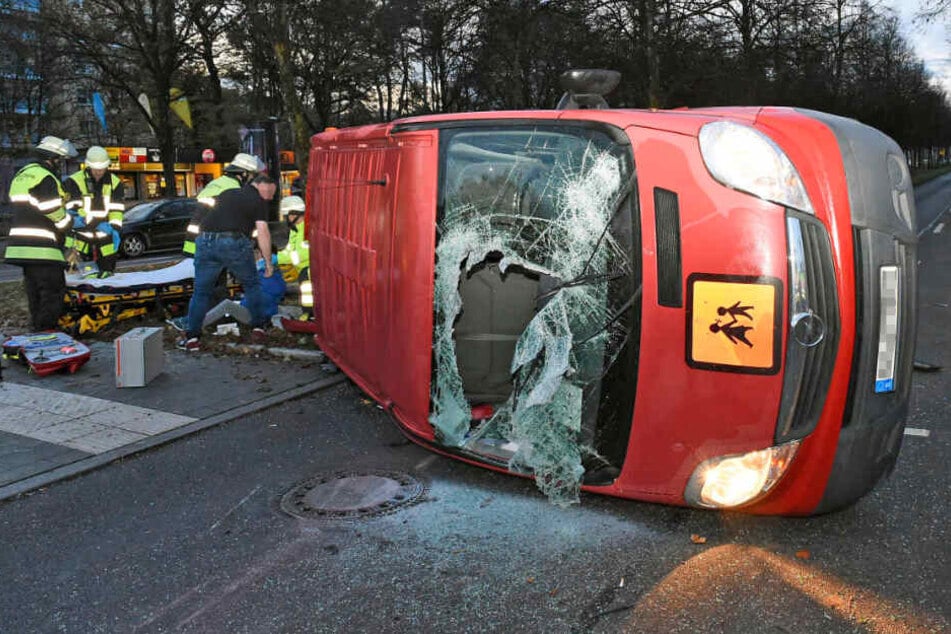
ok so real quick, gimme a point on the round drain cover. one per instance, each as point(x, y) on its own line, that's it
point(352, 495)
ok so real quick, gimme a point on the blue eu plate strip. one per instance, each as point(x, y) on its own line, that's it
point(884, 385)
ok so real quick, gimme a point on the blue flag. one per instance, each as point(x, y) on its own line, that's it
point(100, 109)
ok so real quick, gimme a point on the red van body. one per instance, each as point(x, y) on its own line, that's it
point(710, 307)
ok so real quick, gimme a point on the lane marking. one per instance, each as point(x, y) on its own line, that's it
point(933, 222)
point(234, 508)
point(914, 431)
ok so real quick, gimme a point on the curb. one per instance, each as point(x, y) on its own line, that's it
point(287, 354)
point(94, 462)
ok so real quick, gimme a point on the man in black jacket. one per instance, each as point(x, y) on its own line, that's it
point(225, 243)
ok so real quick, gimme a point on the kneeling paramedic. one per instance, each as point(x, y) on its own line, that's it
point(296, 255)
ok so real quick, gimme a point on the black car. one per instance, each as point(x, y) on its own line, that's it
point(156, 225)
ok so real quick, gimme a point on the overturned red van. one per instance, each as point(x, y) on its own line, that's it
point(710, 307)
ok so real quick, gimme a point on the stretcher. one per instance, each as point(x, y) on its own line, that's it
point(47, 352)
point(92, 304)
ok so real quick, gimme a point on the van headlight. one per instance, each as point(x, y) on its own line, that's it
point(744, 158)
point(730, 481)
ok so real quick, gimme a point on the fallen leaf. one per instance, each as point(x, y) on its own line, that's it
point(531, 580)
point(553, 592)
point(698, 539)
point(803, 554)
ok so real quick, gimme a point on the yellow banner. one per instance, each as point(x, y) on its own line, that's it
point(179, 105)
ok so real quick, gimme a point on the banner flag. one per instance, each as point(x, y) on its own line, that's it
point(179, 105)
point(100, 109)
point(144, 101)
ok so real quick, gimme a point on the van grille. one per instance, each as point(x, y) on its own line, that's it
point(812, 294)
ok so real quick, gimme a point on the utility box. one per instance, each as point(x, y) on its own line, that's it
point(139, 357)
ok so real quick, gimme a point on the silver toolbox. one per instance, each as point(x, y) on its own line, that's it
point(139, 357)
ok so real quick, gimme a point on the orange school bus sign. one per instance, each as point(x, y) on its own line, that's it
point(733, 323)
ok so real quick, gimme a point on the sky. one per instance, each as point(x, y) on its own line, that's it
point(931, 43)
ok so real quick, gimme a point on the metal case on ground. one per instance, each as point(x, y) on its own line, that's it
point(139, 357)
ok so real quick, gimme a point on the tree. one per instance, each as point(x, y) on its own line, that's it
point(31, 64)
point(211, 22)
point(932, 10)
point(521, 49)
point(443, 37)
point(136, 48)
point(306, 62)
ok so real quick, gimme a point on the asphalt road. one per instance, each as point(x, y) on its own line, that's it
point(190, 537)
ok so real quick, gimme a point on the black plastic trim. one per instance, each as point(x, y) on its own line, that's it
point(669, 259)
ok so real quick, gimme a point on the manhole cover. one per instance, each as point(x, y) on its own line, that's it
point(352, 495)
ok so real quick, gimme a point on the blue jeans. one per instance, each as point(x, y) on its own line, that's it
point(217, 251)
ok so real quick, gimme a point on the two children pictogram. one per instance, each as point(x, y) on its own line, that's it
point(746, 311)
point(733, 330)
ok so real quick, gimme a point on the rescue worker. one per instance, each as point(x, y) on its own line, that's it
point(225, 244)
point(40, 231)
point(296, 254)
point(95, 202)
point(239, 172)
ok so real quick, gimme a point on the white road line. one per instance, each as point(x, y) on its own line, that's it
point(234, 508)
point(933, 222)
point(938, 228)
point(914, 431)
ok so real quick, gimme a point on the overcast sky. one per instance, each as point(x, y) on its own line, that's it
point(931, 44)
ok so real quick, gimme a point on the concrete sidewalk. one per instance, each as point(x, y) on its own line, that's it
point(61, 425)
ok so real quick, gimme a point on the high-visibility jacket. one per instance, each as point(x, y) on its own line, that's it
point(40, 222)
point(95, 202)
point(208, 196)
point(297, 254)
point(297, 251)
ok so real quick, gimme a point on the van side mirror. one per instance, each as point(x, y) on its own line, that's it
point(586, 87)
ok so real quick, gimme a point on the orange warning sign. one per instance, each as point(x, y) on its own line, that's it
point(733, 323)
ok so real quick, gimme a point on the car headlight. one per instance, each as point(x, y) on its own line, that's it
point(730, 481)
point(744, 158)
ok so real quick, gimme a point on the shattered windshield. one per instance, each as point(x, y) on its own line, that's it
point(537, 301)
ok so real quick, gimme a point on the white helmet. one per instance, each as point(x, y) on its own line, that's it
point(57, 147)
point(292, 205)
point(243, 162)
point(97, 158)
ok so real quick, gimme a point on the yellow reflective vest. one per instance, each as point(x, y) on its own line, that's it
point(297, 251)
point(207, 197)
point(97, 201)
point(40, 225)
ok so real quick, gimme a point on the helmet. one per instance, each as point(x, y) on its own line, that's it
point(55, 148)
point(292, 205)
point(97, 158)
point(245, 163)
